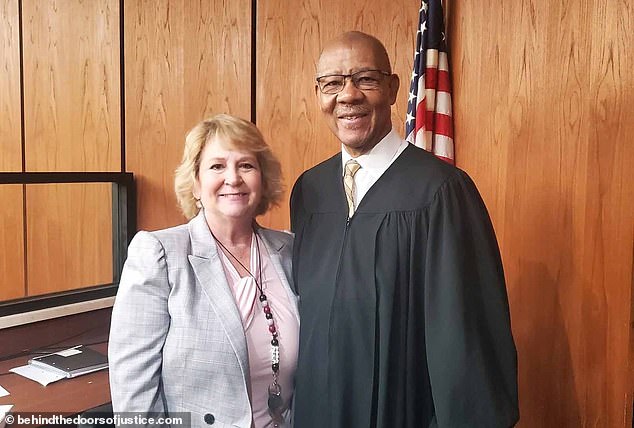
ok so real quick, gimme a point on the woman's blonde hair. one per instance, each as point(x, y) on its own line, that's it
point(235, 133)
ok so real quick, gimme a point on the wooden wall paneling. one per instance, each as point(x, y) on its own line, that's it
point(72, 85)
point(11, 242)
point(542, 126)
point(69, 235)
point(10, 103)
point(184, 61)
point(11, 222)
point(609, 208)
point(72, 122)
point(289, 40)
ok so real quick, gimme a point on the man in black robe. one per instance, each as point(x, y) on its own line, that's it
point(404, 313)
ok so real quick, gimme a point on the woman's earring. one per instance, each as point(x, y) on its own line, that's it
point(198, 204)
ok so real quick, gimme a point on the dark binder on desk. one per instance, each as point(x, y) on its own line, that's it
point(72, 362)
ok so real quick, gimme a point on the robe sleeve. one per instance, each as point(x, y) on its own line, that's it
point(296, 206)
point(470, 350)
point(297, 213)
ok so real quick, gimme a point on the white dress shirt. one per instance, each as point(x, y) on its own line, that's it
point(373, 163)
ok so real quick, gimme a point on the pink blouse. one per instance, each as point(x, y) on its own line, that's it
point(257, 330)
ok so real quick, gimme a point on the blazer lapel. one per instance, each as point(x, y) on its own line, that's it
point(282, 266)
point(207, 267)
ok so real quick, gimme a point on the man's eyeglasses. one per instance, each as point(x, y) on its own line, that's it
point(366, 80)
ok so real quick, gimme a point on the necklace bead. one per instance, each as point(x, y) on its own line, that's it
point(275, 401)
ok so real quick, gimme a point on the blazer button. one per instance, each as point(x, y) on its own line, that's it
point(209, 418)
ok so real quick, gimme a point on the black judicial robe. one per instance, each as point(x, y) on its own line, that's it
point(404, 313)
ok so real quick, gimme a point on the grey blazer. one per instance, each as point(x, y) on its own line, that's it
point(176, 339)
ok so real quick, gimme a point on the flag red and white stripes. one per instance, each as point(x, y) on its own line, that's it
point(429, 122)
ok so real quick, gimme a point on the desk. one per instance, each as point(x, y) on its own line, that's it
point(69, 396)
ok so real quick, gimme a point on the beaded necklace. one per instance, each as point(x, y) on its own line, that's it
point(275, 401)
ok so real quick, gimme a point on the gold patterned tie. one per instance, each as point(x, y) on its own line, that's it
point(352, 166)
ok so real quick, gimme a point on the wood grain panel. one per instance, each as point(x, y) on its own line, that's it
point(609, 207)
point(11, 242)
point(543, 125)
point(289, 40)
point(184, 61)
point(69, 235)
point(72, 85)
point(10, 128)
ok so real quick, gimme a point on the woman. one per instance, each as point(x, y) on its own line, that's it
point(205, 321)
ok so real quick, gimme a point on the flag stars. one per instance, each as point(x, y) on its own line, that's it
point(428, 37)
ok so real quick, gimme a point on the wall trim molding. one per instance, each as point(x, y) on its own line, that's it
point(55, 312)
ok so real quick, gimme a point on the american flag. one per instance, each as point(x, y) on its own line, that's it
point(429, 122)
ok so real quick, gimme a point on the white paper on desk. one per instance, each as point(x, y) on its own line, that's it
point(41, 376)
point(68, 352)
point(3, 392)
point(4, 409)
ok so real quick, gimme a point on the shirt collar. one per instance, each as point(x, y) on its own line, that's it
point(379, 157)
